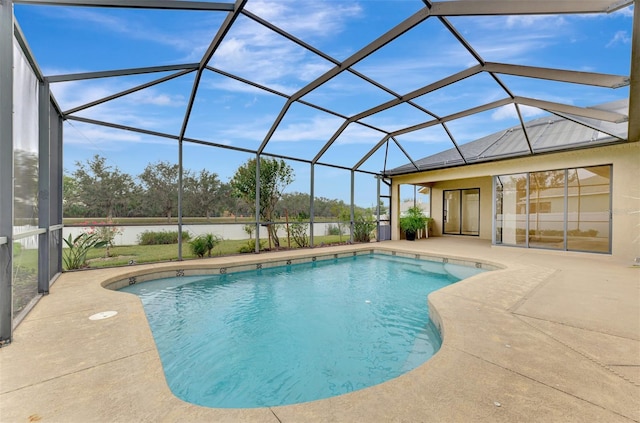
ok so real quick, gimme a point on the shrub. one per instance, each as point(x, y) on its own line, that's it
point(161, 238)
point(104, 231)
point(362, 228)
point(298, 231)
point(198, 246)
point(203, 244)
point(249, 230)
point(250, 246)
point(334, 230)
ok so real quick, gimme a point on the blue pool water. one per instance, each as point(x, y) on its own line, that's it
point(295, 333)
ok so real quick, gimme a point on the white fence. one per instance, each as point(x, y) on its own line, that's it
point(129, 235)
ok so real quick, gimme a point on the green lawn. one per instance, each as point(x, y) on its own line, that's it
point(25, 263)
point(25, 277)
point(122, 255)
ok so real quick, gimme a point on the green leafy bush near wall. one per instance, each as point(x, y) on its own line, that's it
point(363, 226)
point(161, 238)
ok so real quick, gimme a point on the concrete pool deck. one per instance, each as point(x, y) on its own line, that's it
point(551, 337)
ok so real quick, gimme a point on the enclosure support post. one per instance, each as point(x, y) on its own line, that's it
point(494, 208)
point(56, 185)
point(44, 179)
point(6, 169)
point(180, 191)
point(378, 208)
point(312, 213)
point(257, 250)
point(415, 195)
point(566, 209)
point(353, 195)
point(526, 213)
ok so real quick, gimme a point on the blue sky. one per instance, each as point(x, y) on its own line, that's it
point(69, 40)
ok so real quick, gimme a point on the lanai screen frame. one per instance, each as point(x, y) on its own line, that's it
point(431, 10)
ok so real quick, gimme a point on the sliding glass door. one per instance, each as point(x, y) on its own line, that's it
point(567, 209)
point(461, 211)
point(510, 216)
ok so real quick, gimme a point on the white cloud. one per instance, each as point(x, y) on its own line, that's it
point(627, 12)
point(318, 128)
point(620, 37)
point(153, 97)
point(358, 134)
point(268, 59)
point(509, 112)
point(255, 52)
point(72, 94)
point(96, 135)
point(538, 22)
point(307, 19)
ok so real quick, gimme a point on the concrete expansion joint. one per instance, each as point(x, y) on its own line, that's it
point(79, 371)
point(275, 415)
point(542, 383)
point(588, 357)
point(544, 276)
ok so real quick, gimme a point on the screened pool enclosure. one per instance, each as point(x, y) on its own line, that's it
point(158, 95)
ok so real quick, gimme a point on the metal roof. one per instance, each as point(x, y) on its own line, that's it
point(545, 134)
point(569, 126)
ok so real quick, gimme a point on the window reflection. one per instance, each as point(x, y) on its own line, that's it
point(25, 272)
point(511, 193)
point(546, 209)
point(567, 209)
point(588, 209)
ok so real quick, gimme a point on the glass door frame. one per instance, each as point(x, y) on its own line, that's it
point(494, 212)
point(460, 211)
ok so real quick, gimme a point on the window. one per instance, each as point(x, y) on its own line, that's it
point(566, 209)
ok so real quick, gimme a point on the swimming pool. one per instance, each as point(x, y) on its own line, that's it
point(294, 333)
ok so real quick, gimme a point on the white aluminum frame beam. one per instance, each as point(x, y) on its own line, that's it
point(573, 110)
point(518, 7)
point(453, 116)
point(574, 77)
point(119, 72)
point(595, 128)
point(474, 70)
point(371, 151)
point(129, 91)
point(22, 42)
point(136, 4)
point(370, 48)
point(634, 89)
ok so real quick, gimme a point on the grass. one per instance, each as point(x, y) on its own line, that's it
point(25, 263)
point(25, 277)
point(122, 255)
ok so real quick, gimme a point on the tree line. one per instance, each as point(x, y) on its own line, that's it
point(97, 189)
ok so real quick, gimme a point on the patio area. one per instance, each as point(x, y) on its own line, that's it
point(552, 336)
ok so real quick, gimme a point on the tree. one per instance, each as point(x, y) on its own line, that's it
point(161, 183)
point(72, 206)
point(102, 188)
point(200, 193)
point(228, 203)
point(275, 176)
point(25, 187)
point(294, 204)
